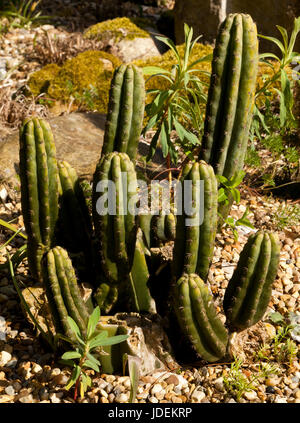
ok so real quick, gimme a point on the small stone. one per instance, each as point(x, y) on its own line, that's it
point(9, 390)
point(156, 389)
point(27, 399)
point(198, 395)
point(272, 381)
point(111, 397)
point(103, 393)
point(270, 390)
point(280, 400)
point(250, 396)
point(219, 384)
point(54, 398)
point(54, 372)
point(5, 357)
point(61, 379)
point(122, 398)
point(297, 394)
point(17, 386)
point(5, 398)
point(36, 369)
point(176, 399)
point(153, 400)
point(173, 379)
point(110, 378)
point(44, 394)
point(104, 400)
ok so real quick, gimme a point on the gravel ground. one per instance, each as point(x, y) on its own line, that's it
point(28, 373)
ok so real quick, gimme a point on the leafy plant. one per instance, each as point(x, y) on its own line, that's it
point(287, 215)
point(288, 57)
point(237, 383)
point(274, 125)
point(81, 358)
point(22, 13)
point(177, 107)
point(281, 348)
point(228, 191)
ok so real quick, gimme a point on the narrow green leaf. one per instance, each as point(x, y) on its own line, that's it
point(90, 364)
point(70, 355)
point(93, 321)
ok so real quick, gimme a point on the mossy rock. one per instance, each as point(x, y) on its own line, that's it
point(85, 77)
point(115, 29)
point(40, 80)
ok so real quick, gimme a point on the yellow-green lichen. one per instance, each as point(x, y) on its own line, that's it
point(40, 80)
point(115, 29)
point(90, 71)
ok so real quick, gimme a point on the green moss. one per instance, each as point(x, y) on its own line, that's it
point(40, 80)
point(85, 77)
point(117, 29)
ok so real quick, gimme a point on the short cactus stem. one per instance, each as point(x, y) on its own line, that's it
point(125, 111)
point(198, 318)
point(194, 244)
point(249, 290)
point(63, 292)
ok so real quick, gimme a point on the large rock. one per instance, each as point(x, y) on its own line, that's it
point(274, 13)
point(78, 139)
point(205, 17)
point(124, 39)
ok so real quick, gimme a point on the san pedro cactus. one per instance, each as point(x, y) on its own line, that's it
point(194, 244)
point(39, 189)
point(231, 95)
point(74, 225)
point(198, 318)
point(116, 230)
point(249, 290)
point(63, 292)
point(122, 257)
point(125, 111)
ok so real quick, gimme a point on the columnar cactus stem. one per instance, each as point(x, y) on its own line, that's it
point(63, 292)
point(125, 111)
point(39, 189)
point(194, 244)
point(231, 95)
point(249, 290)
point(198, 318)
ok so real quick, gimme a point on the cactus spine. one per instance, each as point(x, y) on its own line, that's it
point(39, 189)
point(194, 244)
point(231, 95)
point(249, 290)
point(62, 292)
point(125, 111)
point(198, 319)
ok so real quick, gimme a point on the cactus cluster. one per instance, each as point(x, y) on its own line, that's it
point(116, 244)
